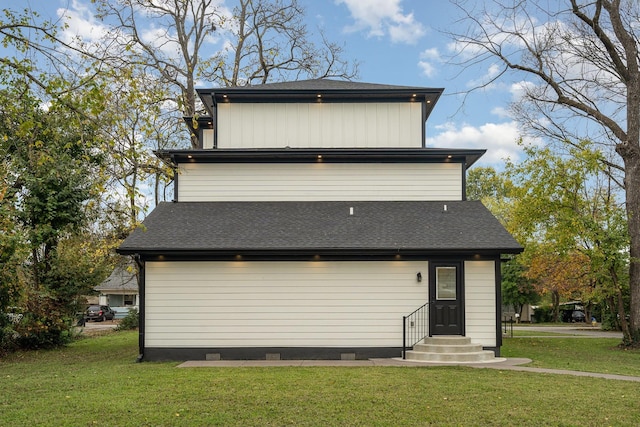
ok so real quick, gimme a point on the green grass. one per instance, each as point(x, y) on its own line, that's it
point(577, 354)
point(95, 382)
point(521, 333)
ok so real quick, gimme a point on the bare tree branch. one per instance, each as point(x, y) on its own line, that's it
point(581, 65)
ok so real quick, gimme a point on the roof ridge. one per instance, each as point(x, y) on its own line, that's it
point(322, 84)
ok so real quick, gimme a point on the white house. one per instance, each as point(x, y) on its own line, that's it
point(120, 290)
point(309, 223)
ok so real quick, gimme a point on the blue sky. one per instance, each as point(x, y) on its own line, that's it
point(396, 42)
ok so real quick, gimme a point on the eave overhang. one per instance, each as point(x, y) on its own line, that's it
point(368, 93)
point(292, 254)
point(325, 155)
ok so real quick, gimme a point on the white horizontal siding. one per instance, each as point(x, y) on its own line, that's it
point(480, 302)
point(271, 304)
point(320, 125)
point(319, 181)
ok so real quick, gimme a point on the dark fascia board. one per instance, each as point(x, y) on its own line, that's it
point(169, 254)
point(212, 97)
point(325, 155)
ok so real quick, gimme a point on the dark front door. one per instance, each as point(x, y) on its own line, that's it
point(445, 297)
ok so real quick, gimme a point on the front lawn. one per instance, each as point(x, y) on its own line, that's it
point(576, 354)
point(96, 382)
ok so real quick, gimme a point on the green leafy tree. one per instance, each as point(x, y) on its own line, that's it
point(56, 230)
point(517, 289)
point(574, 229)
point(11, 255)
point(54, 170)
point(492, 188)
point(136, 124)
point(581, 64)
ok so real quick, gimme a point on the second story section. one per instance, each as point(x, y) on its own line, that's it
point(421, 174)
point(319, 113)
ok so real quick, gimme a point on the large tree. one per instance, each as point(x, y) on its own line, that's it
point(178, 43)
point(135, 123)
point(270, 42)
point(53, 178)
point(581, 63)
point(573, 228)
point(517, 289)
point(50, 180)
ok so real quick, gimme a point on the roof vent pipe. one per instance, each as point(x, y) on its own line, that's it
point(351, 211)
point(445, 208)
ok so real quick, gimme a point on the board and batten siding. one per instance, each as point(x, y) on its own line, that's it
point(320, 125)
point(280, 304)
point(480, 302)
point(319, 181)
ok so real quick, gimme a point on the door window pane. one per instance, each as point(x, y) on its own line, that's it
point(446, 283)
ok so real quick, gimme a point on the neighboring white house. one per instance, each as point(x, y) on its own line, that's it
point(120, 290)
point(310, 221)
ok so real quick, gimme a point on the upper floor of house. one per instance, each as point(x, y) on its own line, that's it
point(319, 113)
point(317, 140)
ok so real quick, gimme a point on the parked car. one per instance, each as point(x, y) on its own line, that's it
point(99, 313)
point(578, 316)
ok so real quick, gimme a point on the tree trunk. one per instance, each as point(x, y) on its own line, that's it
point(555, 298)
point(622, 315)
point(632, 185)
point(629, 150)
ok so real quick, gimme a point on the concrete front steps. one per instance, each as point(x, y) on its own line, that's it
point(450, 349)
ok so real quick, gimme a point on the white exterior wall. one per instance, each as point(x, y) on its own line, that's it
point(480, 302)
point(280, 304)
point(320, 125)
point(319, 181)
point(207, 138)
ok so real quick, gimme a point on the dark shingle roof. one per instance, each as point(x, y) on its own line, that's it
point(319, 226)
point(320, 85)
point(122, 278)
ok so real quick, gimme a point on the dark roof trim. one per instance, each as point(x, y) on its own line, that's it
point(326, 155)
point(320, 90)
point(313, 255)
point(202, 122)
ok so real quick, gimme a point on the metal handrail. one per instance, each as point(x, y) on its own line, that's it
point(507, 325)
point(414, 328)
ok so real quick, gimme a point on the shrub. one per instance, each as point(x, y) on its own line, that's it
point(8, 334)
point(130, 321)
point(543, 314)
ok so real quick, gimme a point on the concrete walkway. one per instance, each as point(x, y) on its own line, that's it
point(510, 364)
point(342, 363)
point(578, 331)
point(505, 364)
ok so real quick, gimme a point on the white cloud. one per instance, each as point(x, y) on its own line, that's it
point(500, 112)
point(518, 89)
point(489, 80)
point(499, 139)
point(428, 58)
point(382, 17)
point(428, 70)
point(81, 23)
